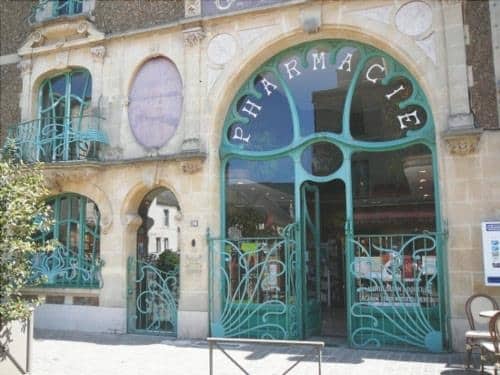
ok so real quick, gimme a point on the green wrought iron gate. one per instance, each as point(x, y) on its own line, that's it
point(152, 298)
point(253, 287)
point(396, 290)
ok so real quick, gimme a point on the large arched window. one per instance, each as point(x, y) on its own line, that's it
point(75, 238)
point(330, 148)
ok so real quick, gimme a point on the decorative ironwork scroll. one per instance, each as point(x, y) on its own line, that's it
point(396, 293)
point(253, 287)
point(152, 298)
point(62, 267)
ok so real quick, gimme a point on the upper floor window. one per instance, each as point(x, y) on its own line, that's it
point(50, 9)
point(67, 128)
point(67, 7)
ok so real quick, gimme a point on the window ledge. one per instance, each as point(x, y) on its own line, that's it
point(63, 290)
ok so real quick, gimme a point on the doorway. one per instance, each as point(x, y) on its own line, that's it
point(153, 274)
point(323, 219)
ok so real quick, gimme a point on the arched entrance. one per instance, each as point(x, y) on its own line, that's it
point(330, 216)
point(153, 275)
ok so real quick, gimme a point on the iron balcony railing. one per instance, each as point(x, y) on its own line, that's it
point(55, 139)
point(65, 268)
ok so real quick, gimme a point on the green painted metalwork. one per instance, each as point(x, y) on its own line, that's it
point(62, 268)
point(253, 287)
point(247, 136)
point(67, 7)
point(310, 226)
point(396, 303)
point(74, 261)
point(65, 130)
point(152, 298)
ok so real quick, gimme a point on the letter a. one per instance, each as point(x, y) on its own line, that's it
point(347, 60)
point(268, 84)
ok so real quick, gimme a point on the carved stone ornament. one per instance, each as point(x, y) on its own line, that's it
point(24, 66)
point(192, 8)
point(98, 53)
point(191, 166)
point(193, 36)
point(36, 39)
point(462, 142)
point(82, 28)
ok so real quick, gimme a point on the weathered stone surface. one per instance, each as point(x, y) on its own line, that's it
point(114, 16)
point(10, 91)
point(480, 57)
point(14, 27)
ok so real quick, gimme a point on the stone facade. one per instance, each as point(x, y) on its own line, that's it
point(214, 57)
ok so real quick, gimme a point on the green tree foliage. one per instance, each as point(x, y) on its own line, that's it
point(22, 213)
point(168, 261)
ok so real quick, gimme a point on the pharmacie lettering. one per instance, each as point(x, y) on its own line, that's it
point(267, 85)
point(319, 59)
point(251, 108)
point(291, 67)
point(347, 61)
point(239, 135)
point(370, 69)
point(319, 63)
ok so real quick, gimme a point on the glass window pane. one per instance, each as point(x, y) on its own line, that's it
point(393, 191)
point(375, 113)
point(320, 86)
point(259, 197)
point(270, 121)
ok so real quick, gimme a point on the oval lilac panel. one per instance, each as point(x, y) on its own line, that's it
point(155, 102)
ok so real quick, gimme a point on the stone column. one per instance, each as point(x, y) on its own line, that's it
point(25, 102)
point(193, 35)
point(461, 136)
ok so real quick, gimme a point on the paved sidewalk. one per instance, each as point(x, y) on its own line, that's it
point(59, 353)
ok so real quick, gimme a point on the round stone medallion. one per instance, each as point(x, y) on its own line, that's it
point(221, 48)
point(414, 18)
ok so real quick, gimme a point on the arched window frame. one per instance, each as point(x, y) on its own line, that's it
point(344, 141)
point(74, 260)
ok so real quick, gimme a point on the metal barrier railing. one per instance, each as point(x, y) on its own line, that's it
point(215, 341)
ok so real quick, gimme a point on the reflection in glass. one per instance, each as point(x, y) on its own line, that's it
point(375, 113)
point(393, 191)
point(321, 158)
point(259, 197)
point(319, 91)
point(76, 221)
point(270, 121)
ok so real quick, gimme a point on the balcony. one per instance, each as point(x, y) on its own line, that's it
point(58, 139)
